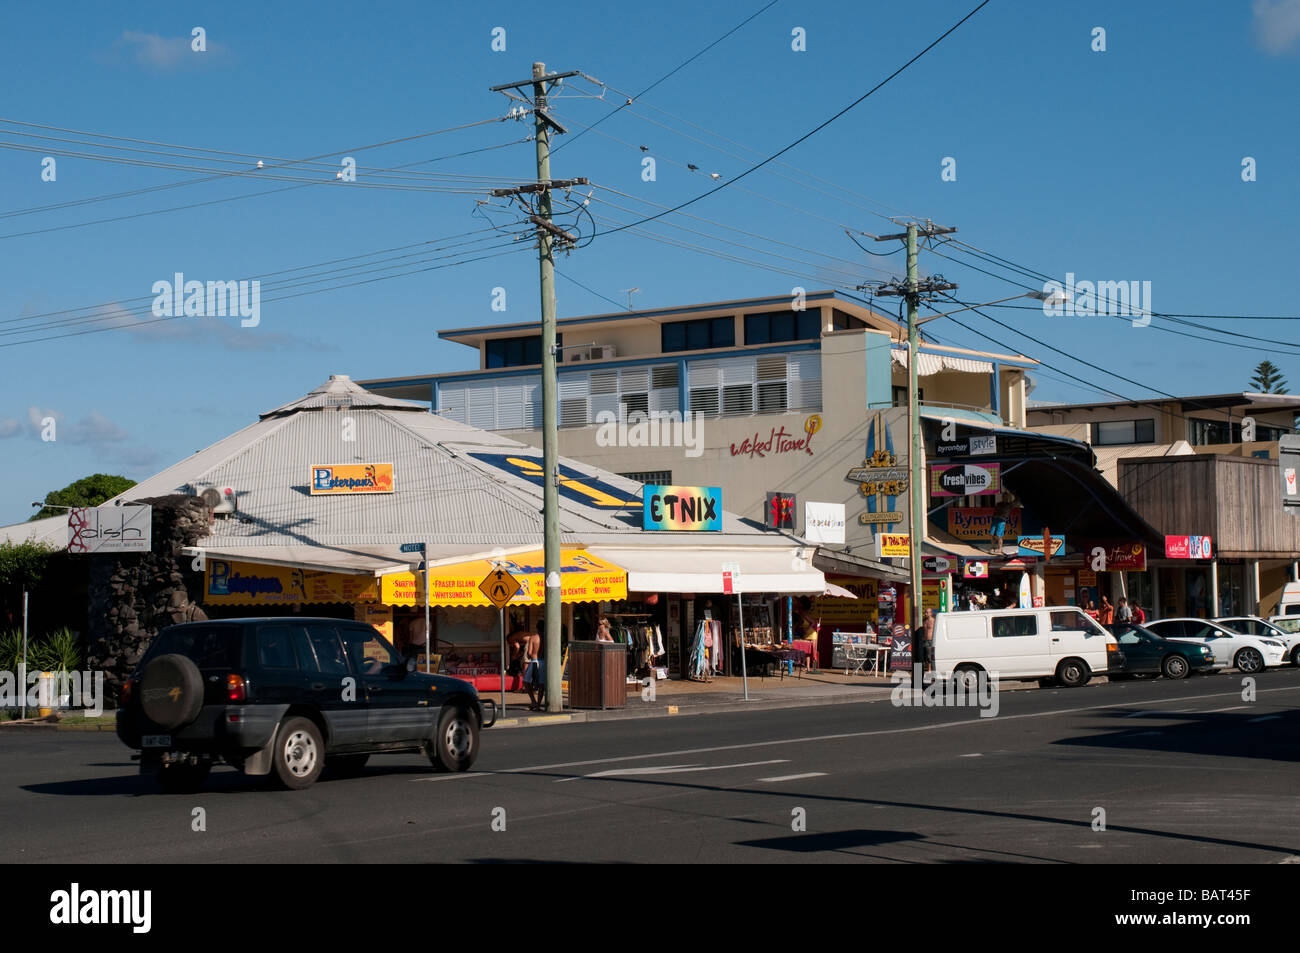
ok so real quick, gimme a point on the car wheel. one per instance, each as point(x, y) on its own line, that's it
point(1175, 666)
point(455, 743)
point(967, 676)
point(346, 765)
point(1249, 660)
point(171, 691)
point(1295, 656)
point(183, 778)
point(1073, 672)
point(299, 754)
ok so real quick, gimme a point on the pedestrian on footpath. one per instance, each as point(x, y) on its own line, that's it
point(1139, 617)
point(1123, 613)
point(1106, 614)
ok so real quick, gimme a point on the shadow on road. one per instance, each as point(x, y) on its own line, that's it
point(1211, 734)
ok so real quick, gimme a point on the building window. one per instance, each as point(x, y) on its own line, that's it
point(900, 396)
point(842, 321)
point(1202, 431)
point(657, 477)
point(778, 327)
point(767, 384)
point(1110, 433)
point(698, 335)
point(516, 352)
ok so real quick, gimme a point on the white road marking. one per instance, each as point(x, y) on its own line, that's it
point(670, 769)
point(792, 777)
point(1251, 721)
point(975, 755)
point(1215, 711)
point(844, 736)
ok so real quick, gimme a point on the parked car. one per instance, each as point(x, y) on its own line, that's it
point(1289, 604)
point(1254, 625)
point(288, 697)
point(1146, 653)
point(1290, 624)
point(1058, 643)
point(1249, 653)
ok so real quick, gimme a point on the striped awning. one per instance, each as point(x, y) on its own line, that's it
point(928, 364)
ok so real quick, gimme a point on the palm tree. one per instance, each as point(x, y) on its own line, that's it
point(1268, 379)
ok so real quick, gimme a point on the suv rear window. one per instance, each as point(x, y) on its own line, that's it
point(207, 646)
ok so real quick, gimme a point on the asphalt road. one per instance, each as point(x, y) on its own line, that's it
point(1186, 772)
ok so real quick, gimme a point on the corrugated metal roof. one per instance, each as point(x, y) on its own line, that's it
point(341, 392)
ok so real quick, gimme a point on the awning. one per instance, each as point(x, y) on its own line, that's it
point(928, 364)
point(353, 560)
point(853, 564)
point(678, 569)
point(584, 577)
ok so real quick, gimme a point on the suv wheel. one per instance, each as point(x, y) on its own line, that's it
point(299, 754)
point(180, 777)
point(455, 743)
point(171, 691)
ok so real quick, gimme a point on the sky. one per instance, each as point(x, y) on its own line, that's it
point(1168, 157)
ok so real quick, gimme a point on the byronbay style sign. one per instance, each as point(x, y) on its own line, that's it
point(965, 479)
point(339, 478)
point(682, 508)
point(110, 529)
point(973, 446)
point(882, 478)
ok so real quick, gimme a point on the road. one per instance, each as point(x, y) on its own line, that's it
point(1185, 772)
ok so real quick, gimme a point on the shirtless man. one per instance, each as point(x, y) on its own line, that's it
point(534, 671)
point(516, 641)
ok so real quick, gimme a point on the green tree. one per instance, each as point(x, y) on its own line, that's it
point(21, 567)
point(88, 491)
point(1268, 379)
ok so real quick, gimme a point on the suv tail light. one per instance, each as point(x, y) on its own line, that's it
point(128, 689)
point(235, 688)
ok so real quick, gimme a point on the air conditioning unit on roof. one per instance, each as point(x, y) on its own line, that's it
point(591, 352)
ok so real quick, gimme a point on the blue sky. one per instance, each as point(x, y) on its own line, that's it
point(1117, 165)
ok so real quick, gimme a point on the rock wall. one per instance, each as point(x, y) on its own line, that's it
point(132, 596)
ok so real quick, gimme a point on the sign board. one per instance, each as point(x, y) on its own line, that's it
point(412, 547)
point(229, 582)
point(936, 564)
point(1033, 545)
point(730, 578)
point(823, 522)
point(682, 508)
point(500, 587)
point(883, 477)
point(975, 569)
point(1188, 547)
point(1288, 462)
point(974, 446)
point(111, 529)
point(889, 545)
point(779, 510)
point(965, 479)
point(976, 522)
point(334, 479)
point(1120, 557)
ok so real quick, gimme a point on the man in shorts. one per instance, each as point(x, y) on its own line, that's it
point(534, 672)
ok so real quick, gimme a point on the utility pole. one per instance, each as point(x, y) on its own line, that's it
point(912, 290)
point(547, 234)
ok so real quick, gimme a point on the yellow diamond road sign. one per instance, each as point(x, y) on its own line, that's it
point(500, 587)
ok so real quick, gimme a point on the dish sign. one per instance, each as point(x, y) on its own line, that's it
point(1188, 547)
point(337, 478)
point(110, 529)
point(965, 479)
point(682, 508)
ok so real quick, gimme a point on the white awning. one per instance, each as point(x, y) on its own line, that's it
point(928, 364)
point(678, 569)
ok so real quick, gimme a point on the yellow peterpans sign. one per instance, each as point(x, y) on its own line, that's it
point(334, 478)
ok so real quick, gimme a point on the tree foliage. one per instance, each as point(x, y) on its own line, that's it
point(88, 491)
point(1268, 379)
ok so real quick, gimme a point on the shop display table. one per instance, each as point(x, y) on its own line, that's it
point(866, 658)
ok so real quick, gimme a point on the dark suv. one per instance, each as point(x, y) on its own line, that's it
point(288, 697)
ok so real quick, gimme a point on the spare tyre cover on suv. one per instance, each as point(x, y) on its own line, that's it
point(171, 691)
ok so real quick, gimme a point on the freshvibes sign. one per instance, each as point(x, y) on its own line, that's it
point(965, 480)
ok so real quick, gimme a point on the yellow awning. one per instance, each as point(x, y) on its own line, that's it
point(583, 578)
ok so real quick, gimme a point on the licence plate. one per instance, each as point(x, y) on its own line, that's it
point(156, 741)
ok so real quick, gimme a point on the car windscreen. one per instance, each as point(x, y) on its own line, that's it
point(207, 646)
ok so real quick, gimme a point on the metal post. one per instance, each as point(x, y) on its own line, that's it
point(550, 431)
point(22, 669)
point(501, 615)
point(744, 669)
point(428, 628)
point(916, 476)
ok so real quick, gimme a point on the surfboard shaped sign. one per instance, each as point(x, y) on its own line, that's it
point(965, 479)
point(1033, 545)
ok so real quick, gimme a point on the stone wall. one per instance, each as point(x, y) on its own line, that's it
point(134, 595)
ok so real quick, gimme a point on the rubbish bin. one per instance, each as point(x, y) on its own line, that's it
point(597, 675)
point(46, 693)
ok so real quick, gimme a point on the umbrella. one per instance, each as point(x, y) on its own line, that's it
point(834, 590)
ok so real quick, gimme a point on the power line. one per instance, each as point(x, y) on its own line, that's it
point(814, 130)
point(680, 66)
point(621, 307)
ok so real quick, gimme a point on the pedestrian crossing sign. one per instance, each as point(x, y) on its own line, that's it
point(500, 587)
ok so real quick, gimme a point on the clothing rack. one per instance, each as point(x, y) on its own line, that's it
point(629, 615)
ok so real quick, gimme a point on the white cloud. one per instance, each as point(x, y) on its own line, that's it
point(10, 427)
point(167, 53)
point(1277, 25)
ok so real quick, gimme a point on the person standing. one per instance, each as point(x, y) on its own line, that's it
point(1123, 613)
point(1139, 617)
point(534, 672)
point(1106, 614)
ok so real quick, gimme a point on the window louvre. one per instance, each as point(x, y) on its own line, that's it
point(738, 399)
point(573, 412)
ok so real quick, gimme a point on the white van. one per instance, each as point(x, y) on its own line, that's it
point(1289, 604)
point(1059, 643)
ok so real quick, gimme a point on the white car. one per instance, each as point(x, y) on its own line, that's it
point(1254, 625)
point(1249, 653)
